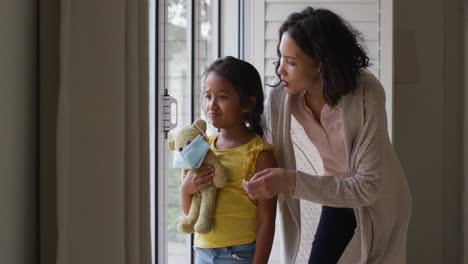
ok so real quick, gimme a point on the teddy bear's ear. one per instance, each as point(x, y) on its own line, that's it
point(171, 144)
point(200, 123)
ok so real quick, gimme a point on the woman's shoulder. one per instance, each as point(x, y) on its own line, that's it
point(370, 87)
point(275, 93)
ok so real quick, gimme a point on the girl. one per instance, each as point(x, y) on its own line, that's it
point(243, 229)
point(341, 106)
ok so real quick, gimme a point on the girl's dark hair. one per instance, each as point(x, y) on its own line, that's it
point(333, 43)
point(247, 82)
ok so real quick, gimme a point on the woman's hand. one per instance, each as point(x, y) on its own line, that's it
point(197, 180)
point(269, 183)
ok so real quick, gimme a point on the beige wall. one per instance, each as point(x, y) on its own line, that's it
point(427, 123)
point(18, 88)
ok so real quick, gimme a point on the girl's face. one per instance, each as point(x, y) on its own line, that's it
point(298, 71)
point(222, 103)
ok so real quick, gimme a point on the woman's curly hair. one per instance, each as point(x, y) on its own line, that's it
point(333, 43)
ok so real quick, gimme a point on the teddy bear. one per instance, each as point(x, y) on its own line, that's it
point(201, 215)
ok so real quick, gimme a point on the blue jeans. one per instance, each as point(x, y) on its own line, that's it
point(226, 255)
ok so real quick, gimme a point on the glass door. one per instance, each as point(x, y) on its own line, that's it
point(187, 42)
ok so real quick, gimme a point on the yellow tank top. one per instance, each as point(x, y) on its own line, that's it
point(235, 220)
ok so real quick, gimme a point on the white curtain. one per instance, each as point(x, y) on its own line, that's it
point(103, 196)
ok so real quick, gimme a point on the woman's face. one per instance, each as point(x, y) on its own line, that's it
point(298, 71)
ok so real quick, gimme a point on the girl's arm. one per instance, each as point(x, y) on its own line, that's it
point(266, 214)
point(194, 181)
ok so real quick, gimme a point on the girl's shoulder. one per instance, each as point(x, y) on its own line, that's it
point(260, 144)
point(257, 148)
point(258, 140)
point(212, 138)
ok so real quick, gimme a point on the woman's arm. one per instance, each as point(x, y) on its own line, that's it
point(266, 214)
point(194, 181)
point(364, 183)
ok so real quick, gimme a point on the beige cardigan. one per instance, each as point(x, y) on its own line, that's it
point(377, 188)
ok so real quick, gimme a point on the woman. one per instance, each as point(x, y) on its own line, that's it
point(341, 106)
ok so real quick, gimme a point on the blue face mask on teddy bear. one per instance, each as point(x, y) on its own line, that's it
point(192, 156)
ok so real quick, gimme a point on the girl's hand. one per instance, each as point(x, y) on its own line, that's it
point(197, 180)
point(269, 183)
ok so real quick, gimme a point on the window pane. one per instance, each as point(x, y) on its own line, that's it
point(177, 65)
point(207, 50)
point(185, 53)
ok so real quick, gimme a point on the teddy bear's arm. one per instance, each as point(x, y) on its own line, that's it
point(220, 177)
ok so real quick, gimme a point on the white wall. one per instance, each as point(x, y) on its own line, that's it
point(427, 123)
point(17, 131)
